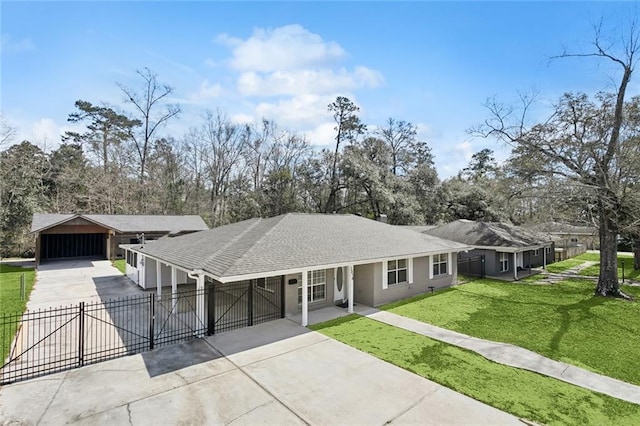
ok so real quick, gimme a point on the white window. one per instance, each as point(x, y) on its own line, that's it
point(317, 287)
point(536, 252)
point(397, 271)
point(504, 262)
point(440, 264)
point(547, 250)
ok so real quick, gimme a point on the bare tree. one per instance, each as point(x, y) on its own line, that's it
point(400, 136)
point(584, 141)
point(7, 131)
point(148, 105)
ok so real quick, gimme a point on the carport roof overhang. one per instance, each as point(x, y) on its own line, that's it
point(66, 218)
point(276, 272)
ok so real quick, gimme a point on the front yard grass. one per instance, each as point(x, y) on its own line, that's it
point(564, 265)
point(121, 265)
point(563, 321)
point(519, 392)
point(629, 272)
point(10, 302)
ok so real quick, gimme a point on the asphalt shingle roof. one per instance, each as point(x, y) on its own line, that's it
point(293, 241)
point(125, 223)
point(488, 234)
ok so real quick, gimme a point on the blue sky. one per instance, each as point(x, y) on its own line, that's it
point(430, 63)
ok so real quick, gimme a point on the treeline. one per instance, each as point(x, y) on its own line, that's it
point(123, 163)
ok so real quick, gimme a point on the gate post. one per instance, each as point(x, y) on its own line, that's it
point(152, 318)
point(81, 334)
point(282, 297)
point(250, 302)
point(211, 317)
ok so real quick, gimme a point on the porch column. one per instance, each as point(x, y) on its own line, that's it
point(515, 266)
point(200, 305)
point(544, 258)
point(305, 301)
point(158, 280)
point(174, 287)
point(350, 288)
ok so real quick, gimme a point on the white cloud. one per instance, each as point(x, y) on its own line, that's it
point(242, 118)
point(283, 48)
point(298, 82)
point(299, 112)
point(206, 91)
point(465, 149)
point(44, 132)
point(8, 45)
point(323, 134)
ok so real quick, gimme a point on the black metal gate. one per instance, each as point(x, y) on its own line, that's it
point(50, 340)
point(474, 266)
point(245, 303)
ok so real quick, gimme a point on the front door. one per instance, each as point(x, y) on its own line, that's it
point(520, 260)
point(340, 279)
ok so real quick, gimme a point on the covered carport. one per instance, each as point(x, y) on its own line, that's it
point(71, 237)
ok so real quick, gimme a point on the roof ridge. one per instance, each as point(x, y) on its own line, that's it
point(281, 217)
point(232, 241)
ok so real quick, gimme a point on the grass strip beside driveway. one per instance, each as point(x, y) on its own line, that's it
point(519, 392)
point(120, 265)
point(563, 321)
point(10, 302)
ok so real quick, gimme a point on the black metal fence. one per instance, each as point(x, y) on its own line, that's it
point(474, 266)
point(246, 303)
point(50, 340)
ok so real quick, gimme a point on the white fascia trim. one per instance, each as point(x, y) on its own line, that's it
point(293, 271)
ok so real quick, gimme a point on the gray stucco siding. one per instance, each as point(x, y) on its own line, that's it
point(421, 281)
point(291, 293)
point(365, 278)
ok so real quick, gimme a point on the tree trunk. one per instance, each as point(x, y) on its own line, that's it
point(636, 252)
point(608, 279)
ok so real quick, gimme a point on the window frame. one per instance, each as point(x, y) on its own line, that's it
point(313, 281)
point(396, 272)
point(504, 261)
point(547, 250)
point(536, 252)
point(437, 263)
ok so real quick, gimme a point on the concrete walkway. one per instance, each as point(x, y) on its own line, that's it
point(514, 356)
point(276, 373)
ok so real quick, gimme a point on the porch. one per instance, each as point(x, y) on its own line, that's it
point(521, 274)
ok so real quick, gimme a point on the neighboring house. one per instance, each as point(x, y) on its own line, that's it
point(60, 236)
point(566, 235)
point(507, 249)
point(299, 262)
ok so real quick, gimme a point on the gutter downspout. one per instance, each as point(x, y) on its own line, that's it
point(201, 314)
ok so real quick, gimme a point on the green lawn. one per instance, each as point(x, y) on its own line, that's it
point(564, 265)
point(594, 257)
point(121, 265)
point(563, 321)
point(629, 272)
point(520, 392)
point(10, 302)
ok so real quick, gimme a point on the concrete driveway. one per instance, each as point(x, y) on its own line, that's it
point(275, 373)
point(66, 282)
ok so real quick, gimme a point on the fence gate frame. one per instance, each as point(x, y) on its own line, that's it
point(240, 311)
point(51, 340)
